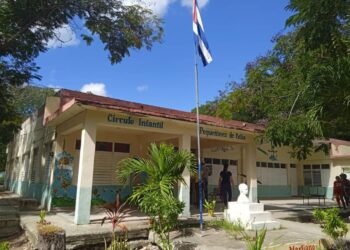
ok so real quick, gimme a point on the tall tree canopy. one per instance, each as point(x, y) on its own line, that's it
point(301, 88)
point(28, 99)
point(26, 26)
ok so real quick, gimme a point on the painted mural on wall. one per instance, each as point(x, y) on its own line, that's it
point(63, 192)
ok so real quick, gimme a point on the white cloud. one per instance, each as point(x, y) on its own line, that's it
point(64, 37)
point(54, 87)
point(158, 7)
point(95, 88)
point(188, 3)
point(142, 88)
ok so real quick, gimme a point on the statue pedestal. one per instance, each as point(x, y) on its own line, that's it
point(251, 215)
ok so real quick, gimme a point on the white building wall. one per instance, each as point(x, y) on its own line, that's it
point(24, 171)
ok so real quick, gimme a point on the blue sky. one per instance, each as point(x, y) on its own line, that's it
point(237, 32)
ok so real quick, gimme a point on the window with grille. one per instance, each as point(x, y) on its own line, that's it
point(121, 147)
point(313, 175)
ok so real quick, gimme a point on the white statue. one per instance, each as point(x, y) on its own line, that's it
point(243, 191)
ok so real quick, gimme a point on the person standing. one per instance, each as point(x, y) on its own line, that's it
point(346, 188)
point(338, 192)
point(205, 181)
point(225, 185)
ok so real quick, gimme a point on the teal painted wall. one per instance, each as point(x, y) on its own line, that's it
point(314, 190)
point(105, 193)
point(27, 189)
point(265, 191)
point(100, 194)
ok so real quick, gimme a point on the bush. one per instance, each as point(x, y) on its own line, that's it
point(255, 243)
point(234, 229)
point(210, 206)
point(118, 243)
point(63, 202)
point(155, 197)
point(332, 224)
point(4, 245)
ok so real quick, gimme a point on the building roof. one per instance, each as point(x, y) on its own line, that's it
point(72, 97)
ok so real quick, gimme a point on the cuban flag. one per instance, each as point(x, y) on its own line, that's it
point(201, 42)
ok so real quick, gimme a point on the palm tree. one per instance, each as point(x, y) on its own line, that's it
point(163, 167)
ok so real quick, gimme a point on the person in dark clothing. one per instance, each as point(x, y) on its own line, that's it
point(205, 181)
point(346, 188)
point(338, 192)
point(225, 185)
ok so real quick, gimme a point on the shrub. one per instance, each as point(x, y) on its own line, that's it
point(234, 229)
point(42, 215)
point(116, 215)
point(118, 243)
point(255, 243)
point(332, 224)
point(155, 197)
point(210, 206)
point(4, 245)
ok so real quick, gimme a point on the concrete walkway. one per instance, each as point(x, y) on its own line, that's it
point(296, 228)
point(292, 214)
point(85, 235)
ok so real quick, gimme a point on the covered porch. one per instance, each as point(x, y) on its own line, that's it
point(90, 143)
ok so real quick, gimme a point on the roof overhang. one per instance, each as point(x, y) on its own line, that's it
point(74, 102)
point(67, 111)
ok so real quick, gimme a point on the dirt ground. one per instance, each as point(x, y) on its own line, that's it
point(18, 242)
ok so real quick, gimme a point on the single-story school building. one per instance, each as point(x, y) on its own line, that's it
point(67, 153)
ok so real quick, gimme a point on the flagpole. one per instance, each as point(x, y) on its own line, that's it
point(198, 147)
point(202, 49)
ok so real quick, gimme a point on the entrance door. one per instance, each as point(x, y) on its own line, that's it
point(293, 179)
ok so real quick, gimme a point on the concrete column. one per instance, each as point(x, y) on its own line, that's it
point(250, 165)
point(184, 190)
point(57, 148)
point(9, 168)
point(85, 173)
point(300, 176)
point(242, 163)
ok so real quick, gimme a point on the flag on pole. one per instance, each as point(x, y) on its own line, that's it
point(198, 29)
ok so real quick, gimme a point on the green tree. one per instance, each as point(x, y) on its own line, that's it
point(28, 99)
point(300, 89)
point(26, 26)
point(163, 167)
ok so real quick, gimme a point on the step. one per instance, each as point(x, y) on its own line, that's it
point(9, 231)
point(9, 212)
point(252, 207)
point(8, 215)
point(9, 209)
point(9, 223)
point(9, 202)
point(89, 240)
point(27, 202)
point(269, 225)
point(260, 216)
point(248, 218)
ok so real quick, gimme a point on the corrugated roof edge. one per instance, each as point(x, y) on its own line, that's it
point(145, 109)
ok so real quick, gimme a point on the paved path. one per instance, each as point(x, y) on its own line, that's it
point(285, 211)
point(293, 232)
